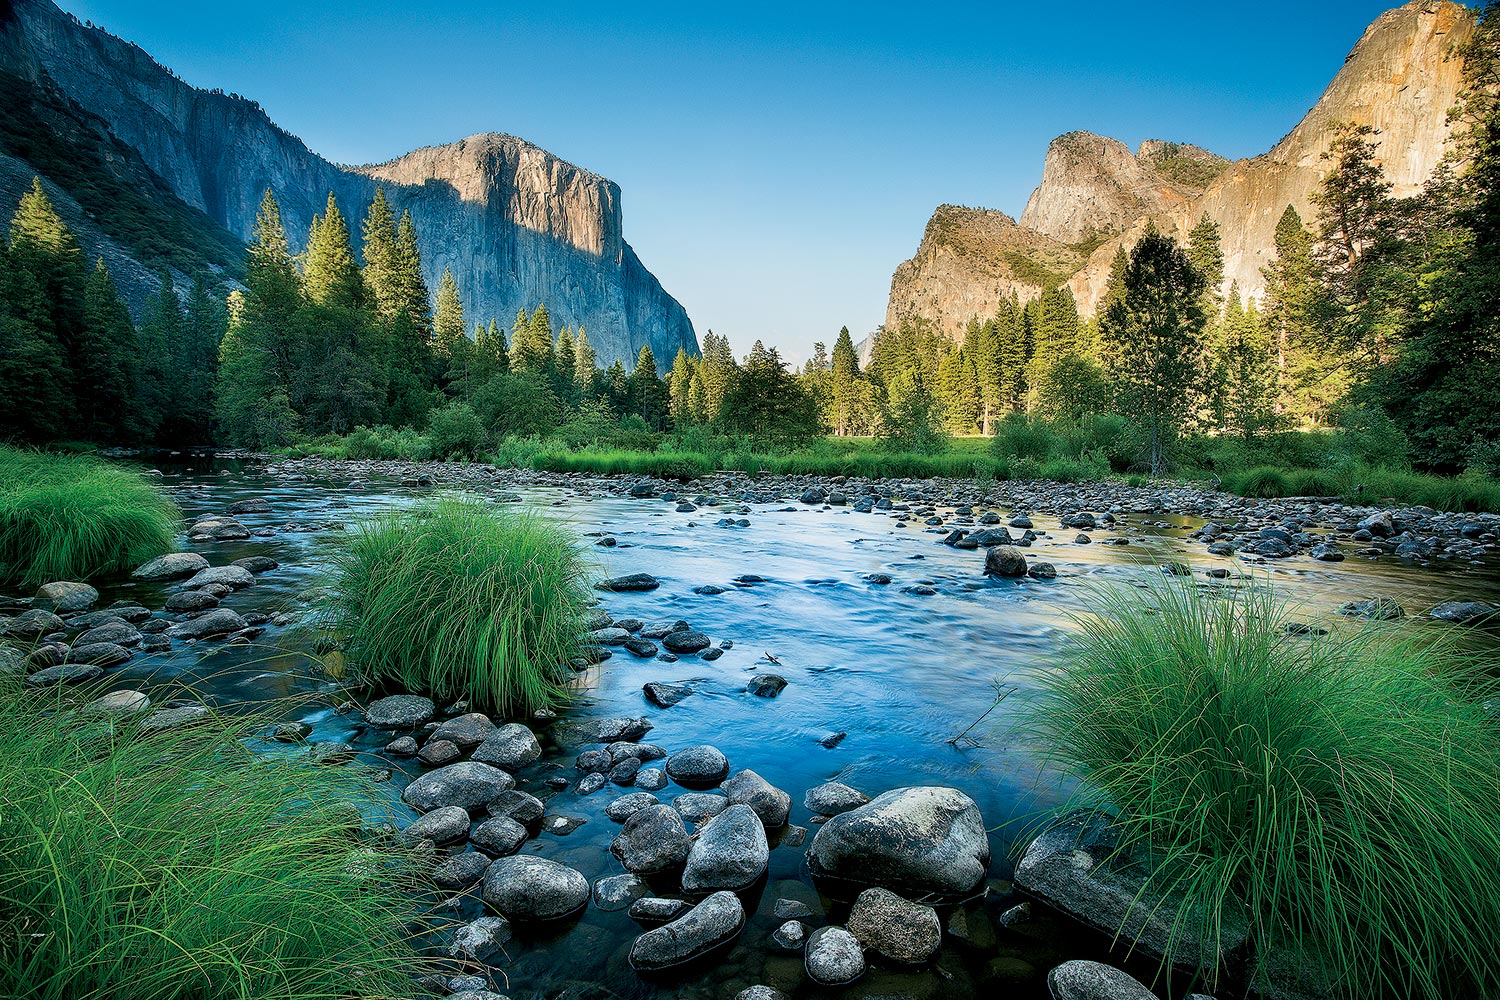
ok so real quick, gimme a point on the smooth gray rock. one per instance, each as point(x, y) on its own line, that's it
point(167, 719)
point(187, 601)
point(1005, 561)
point(100, 654)
point(770, 803)
point(895, 928)
point(729, 852)
point(71, 673)
point(834, 957)
point(790, 936)
point(925, 840)
point(479, 940)
point(523, 807)
point(172, 566)
point(467, 784)
point(466, 730)
point(120, 703)
point(1083, 980)
point(511, 746)
point(119, 633)
point(400, 711)
point(759, 993)
point(443, 825)
point(617, 892)
point(698, 807)
point(712, 923)
point(628, 583)
point(523, 887)
point(219, 621)
point(461, 870)
point(766, 685)
point(1466, 613)
point(31, 624)
point(653, 840)
point(698, 766)
point(65, 597)
point(832, 798)
point(235, 577)
point(498, 836)
point(665, 695)
point(687, 641)
point(256, 564)
point(656, 910)
point(627, 806)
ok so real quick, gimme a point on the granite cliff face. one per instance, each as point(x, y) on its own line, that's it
point(1401, 77)
point(517, 225)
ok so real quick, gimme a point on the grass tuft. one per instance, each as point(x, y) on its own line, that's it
point(180, 865)
point(459, 599)
point(76, 517)
point(1343, 788)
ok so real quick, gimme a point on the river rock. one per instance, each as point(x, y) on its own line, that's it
point(653, 840)
point(832, 798)
point(172, 566)
point(189, 601)
point(31, 624)
point(466, 730)
point(576, 733)
point(1324, 552)
point(120, 703)
point(100, 654)
point(617, 892)
point(167, 719)
point(657, 910)
point(523, 807)
point(120, 633)
point(685, 641)
point(766, 685)
point(699, 766)
point(663, 694)
point(629, 582)
point(1375, 609)
point(1004, 560)
point(697, 807)
point(896, 928)
point(1465, 612)
point(770, 803)
point(1042, 571)
point(71, 673)
point(790, 936)
point(498, 836)
point(468, 784)
point(712, 923)
point(480, 940)
point(234, 577)
point(219, 621)
point(461, 871)
point(610, 636)
point(400, 711)
point(925, 840)
point(1075, 867)
point(627, 806)
point(1084, 980)
point(730, 852)
point(257, 564)
point(523, 887)
point(436, 753)
point(65, 597)
point(511, 746)
point(441, 826)
point(834, 957)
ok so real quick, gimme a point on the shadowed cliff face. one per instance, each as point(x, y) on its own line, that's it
point(517, 225)
point(1401, 77)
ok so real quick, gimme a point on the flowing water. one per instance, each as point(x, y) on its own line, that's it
point(902, 674)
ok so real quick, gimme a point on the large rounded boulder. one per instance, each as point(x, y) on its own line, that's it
point(926, 841)
point(523, 887)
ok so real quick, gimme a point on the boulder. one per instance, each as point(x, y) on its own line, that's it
point(1374, 609)
point(715, 921)
point(400, 711)
point(834, 957)
point(511, 746)
point(120, 703)
point(663, 694)
point(480, 940)
point(65, 597)
point(698, 766)
point(219, 621)
point(770, 803)
point(895, 928)
point(626, 806)
point(256, 564)
point(685, 641)
point(167, 719)
point(31, 624)
point(1004, 561)
point(234, 577)
point(921, 841)
point(617, 892)
point(832, 798)
point(1466, 612)
point(461, 870)
point(120, 633)
point(498, 836)
point(188, 601)
point(654, 840)
point(1084, 980)
point(523, 807)
point(730, 852)
point(766, 685)
point(523, 887)
point(628, 583)
point(443, 825)
point(72, 673)
point(100, 654)
point(172, 566)
point(466, 730)
point(467, 784)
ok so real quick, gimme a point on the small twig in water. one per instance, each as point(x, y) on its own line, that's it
point(1002, 692)
point(773, 659)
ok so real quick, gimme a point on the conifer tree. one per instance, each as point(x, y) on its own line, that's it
point(48, 284)
point(379, 251)
point(107, 400)
point(448, 320)
point(1206, 252)
point(849, 409)
point(161, 335)
point(648, 394)
point(584, 364)
point(679, 388)
point(329, 274)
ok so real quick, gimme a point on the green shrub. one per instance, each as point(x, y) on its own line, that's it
point(459, 599)
point(75, 517)
point(180, 866)
point(1366, 434)
point(455, 430)
point(387, 444)
point(1020, 436)
point(1261, 481)
point(1341, 788)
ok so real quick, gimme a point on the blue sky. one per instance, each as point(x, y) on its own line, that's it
point(776, 161)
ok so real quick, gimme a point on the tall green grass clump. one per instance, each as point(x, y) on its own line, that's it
point(1342, 788)
point(75, 517)
point(180, 866)
point(456, 599)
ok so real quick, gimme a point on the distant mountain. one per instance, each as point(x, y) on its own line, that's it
point(153, 172)
point(1096, 195)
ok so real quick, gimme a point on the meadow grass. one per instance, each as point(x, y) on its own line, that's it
point(1342, 788)
point(457, 598)
point(180, 865)
point(75, 517)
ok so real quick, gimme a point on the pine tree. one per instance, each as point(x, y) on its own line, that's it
point(49, 285)
point(106, 380)
point(719, 372)
point(648, 394)
point(584, 364)
point(448, 321)
point(161, 335)
point(565, 358)
point(1154, 331)
point(329, 274)
point(849, 409)
point(1310, 377)
point(679, 388)
point(1206, 252)
point(379, 251)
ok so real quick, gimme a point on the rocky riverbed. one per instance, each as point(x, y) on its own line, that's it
point(781, 673)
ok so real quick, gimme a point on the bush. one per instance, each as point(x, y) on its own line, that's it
point(1366, 434)
point(459, 599)
point(456, 430)
point(73, 517)
point(1018, 435)
point(387, 444)
point(180, 866)
point(1342, 788)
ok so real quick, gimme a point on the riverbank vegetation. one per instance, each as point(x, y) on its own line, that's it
point(1341, 787)
point(71, 517)
point(177, 865)
point(460, 600)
